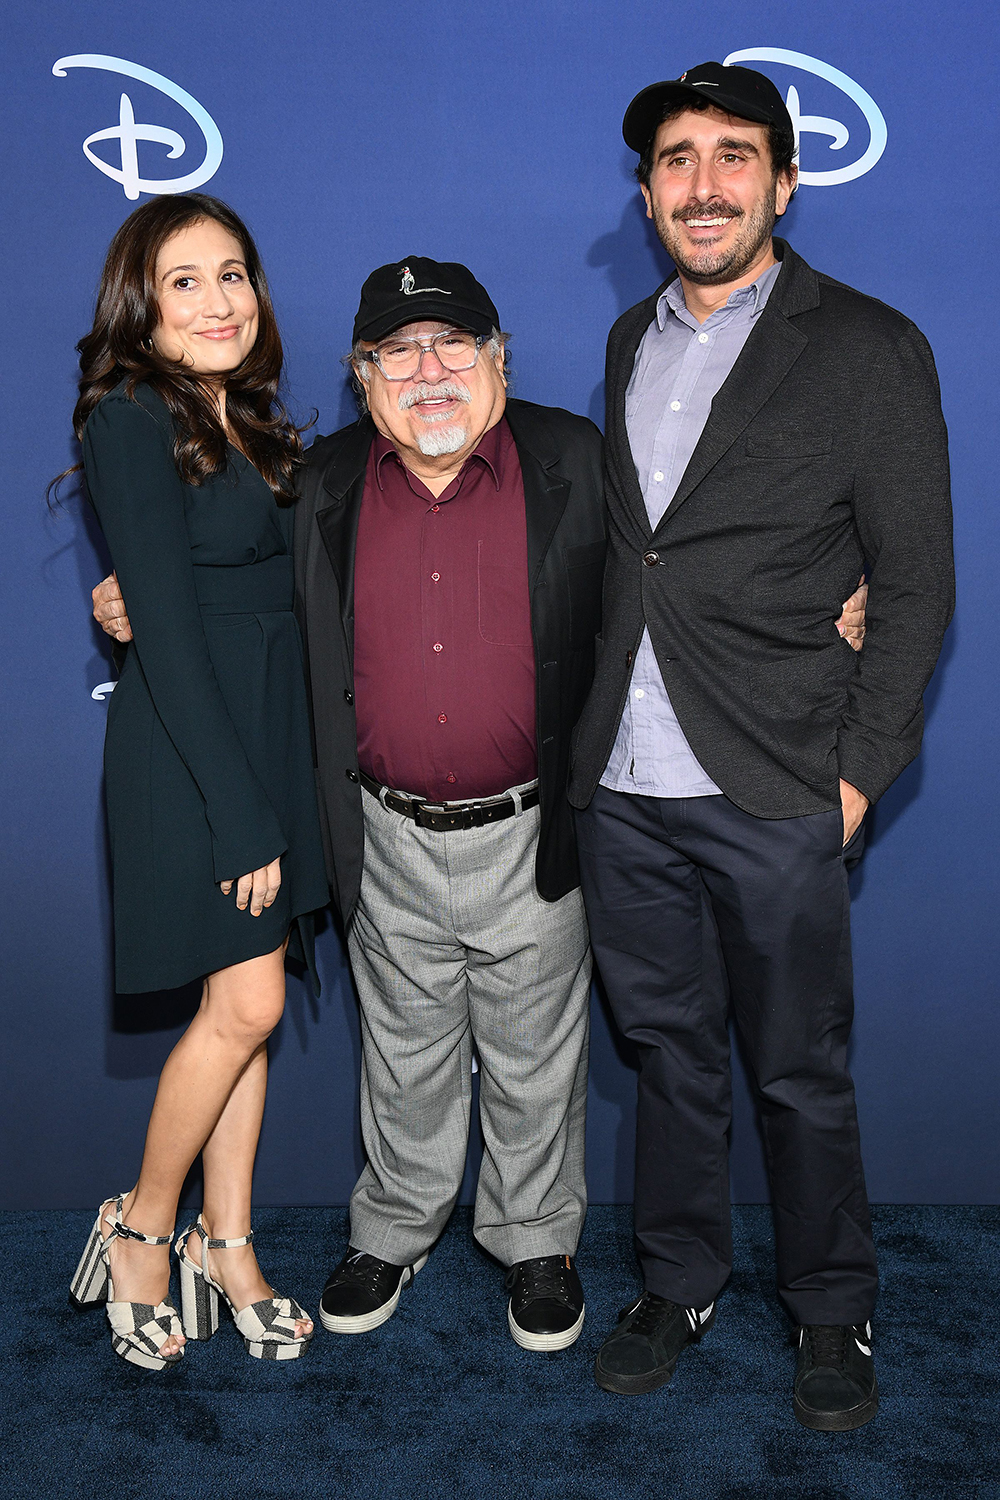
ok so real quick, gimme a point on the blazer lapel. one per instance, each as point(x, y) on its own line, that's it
point(621, 361)
point(338, 510)
point(545, 492)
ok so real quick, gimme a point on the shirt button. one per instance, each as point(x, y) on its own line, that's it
point(675, 406)
point(451, 777)
point(703, 338)
point(442, 718)
point(639, 693)
point(658, 476)
point(435, 578)
point(435, 509)
point(438, 646)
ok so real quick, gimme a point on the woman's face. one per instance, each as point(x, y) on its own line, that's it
point(208, 309)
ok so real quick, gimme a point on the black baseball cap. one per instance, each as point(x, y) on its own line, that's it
point(416, 290)
point(739, 91)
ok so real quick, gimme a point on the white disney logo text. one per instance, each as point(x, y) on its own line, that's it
point(819, 124)
point(128, 133)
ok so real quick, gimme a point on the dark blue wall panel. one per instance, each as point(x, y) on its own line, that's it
point(490, 134)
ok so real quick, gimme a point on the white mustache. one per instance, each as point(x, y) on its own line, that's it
point(417, 393)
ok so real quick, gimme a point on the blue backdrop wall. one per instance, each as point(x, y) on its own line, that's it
point(489, 133)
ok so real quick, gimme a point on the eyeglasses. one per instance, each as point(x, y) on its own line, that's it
point(400, 359)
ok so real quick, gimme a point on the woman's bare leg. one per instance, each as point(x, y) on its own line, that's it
point(240, 1007)
point(227, 1160)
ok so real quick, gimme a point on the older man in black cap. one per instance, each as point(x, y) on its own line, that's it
point(450, 549)
point(768, 429)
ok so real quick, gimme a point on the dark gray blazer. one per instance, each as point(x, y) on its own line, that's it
point(560, 457)
point(825, 452)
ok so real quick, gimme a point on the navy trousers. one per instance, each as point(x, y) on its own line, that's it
point(693, 904)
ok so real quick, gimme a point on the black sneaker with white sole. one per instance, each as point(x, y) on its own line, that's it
point(545, 1310)
point(646, 1345)
point(363, 1292)
point(835, 1386)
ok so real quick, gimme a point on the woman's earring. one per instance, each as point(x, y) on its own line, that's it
point(147, 345)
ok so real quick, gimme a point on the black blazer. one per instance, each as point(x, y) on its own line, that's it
point(825, 451)
point(560, 458)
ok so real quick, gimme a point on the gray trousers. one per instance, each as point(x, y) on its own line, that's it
point(451, 947)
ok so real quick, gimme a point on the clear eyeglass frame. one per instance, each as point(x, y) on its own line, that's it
point(420, 347)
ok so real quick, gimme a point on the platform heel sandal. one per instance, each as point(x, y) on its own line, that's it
point(138, 1329)
point(267, 1328)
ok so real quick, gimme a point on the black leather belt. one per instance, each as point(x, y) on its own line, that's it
point(445, 819)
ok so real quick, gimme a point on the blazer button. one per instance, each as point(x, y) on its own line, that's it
point(651, 559)
point(351, 775)
point(348, 696)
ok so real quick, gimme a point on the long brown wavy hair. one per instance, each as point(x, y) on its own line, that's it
point(119, 347)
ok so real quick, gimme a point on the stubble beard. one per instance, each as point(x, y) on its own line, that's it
point(713, 269)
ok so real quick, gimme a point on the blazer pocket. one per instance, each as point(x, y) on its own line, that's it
point(790, 442)
point(795, 687)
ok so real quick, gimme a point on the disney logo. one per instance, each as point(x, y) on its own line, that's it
point(820, 124)
point(128, 132)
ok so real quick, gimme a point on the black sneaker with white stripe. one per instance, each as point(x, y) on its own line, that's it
point(363, 1292)
point(835, 1386)
point(545, 1311)
point(646, 1345)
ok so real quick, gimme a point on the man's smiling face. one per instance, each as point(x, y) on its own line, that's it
point(439, 411)
point(713, 194)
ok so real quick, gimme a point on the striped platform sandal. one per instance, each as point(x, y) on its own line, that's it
point(267, 1328)
point(138, 1329)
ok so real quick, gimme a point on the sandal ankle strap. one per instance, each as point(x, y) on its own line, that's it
point(210, 1244)
point(122, 1231)
point(198, 1228)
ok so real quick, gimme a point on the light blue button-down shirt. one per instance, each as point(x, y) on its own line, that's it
point(679, 367)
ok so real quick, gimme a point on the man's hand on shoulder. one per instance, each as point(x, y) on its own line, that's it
point(852, 622)
point(109, 609)
point(855, 805)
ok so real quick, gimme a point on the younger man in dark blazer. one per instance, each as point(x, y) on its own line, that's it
point(768, 430)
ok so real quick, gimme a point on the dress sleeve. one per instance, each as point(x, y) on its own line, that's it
point(139, 498)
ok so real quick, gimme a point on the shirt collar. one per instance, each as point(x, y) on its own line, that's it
point(489, 449)
point(750, 300)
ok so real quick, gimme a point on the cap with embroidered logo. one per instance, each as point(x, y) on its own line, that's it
point(418, 290)
point(739, 91)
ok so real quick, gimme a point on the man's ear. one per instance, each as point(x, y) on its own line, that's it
point(784, 188)
point(644, 190)
point(500, 360)
point(362, 382)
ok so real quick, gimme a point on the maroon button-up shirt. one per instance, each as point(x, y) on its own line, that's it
point(444, 667)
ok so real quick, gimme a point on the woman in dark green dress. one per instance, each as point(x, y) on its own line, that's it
point(216, 851)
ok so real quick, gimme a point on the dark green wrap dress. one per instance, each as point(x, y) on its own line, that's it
point(208, 763)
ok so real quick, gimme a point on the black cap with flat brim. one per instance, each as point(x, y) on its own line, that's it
point(739, 91)
point(418, 290)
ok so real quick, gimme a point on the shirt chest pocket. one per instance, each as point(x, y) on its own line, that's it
point(503, 602)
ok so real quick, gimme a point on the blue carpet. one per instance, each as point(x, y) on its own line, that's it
point(440, 1403)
